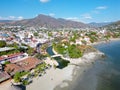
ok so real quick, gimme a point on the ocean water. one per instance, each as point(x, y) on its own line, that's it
point(104, 74)
point(110, 76)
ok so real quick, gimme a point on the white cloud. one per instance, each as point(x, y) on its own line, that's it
point(87, 16)
point(73, 19)
point(51, 14)
point(44, 1)
point(19, 18)
point(11, 18)
point(101, 7)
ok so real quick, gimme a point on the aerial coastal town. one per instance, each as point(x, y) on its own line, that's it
point(24, 51)
point(59, 45)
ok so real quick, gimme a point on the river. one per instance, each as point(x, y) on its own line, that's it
point(62, 63)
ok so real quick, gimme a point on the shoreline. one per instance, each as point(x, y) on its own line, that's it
point(84, 59)
point(60, 77)
point(112, 39)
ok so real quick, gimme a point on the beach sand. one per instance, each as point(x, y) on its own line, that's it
point(62, 77)
point(51, 79)
point(59, 77)
point(5, 85)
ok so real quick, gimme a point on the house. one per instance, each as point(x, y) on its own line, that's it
point(29, 63)
point(12, 57)
point(11, 69)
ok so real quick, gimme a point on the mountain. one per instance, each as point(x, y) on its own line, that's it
point(117, 23)
point(113, 25)
point(49, 22)
point(99, 24)
point(5, 21)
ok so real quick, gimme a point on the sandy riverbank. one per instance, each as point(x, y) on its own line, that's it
point(55, 77)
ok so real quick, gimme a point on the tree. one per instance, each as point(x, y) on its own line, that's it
point(50, 34)
point(17, 77)
point(2, 43)
point(30, 51)
point(74, 52)
point(36, 34)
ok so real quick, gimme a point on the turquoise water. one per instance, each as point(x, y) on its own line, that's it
point(62, 63)
point(105, 73)
point(110, 76)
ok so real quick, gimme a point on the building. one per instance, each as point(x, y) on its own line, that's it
point(29, 63)
point(13, 57)
point(11, 69)
point(4, 76)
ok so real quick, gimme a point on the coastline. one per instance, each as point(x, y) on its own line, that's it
point(59, 77)
point(112, 39)
point(86, 58)
point(62, 77)
point(55, 78)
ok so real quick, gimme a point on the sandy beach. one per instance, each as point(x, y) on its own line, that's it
point(55, 77)
point(51, 79)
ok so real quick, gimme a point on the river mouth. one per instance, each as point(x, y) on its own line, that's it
point(104, 74)
point(62, 63)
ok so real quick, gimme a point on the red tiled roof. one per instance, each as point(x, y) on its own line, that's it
point(10, 56)
point(1, 58)
point(29, 63)
point(12, 68)
point(14, 55)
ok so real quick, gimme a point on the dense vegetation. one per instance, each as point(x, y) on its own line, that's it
point(18, 75)
point(2, 43)
point(66, 49)
point(16, 49)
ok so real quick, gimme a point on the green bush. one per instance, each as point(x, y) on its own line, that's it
point(2, 43)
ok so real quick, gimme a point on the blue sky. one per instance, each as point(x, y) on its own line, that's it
point(77, 10)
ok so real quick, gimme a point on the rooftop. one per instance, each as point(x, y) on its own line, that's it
point(29, 63)
point(10, 56)
point(12, 68)
point(4, 76)
point(6, 49)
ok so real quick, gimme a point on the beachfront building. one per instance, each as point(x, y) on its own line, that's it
point(20, 66)
point(13, 57)
point(29, 63)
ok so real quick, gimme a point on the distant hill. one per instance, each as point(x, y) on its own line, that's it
point(49, 22)
point(99, 24)
point(5, 21)
point(117, 23)
point(113, 25)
